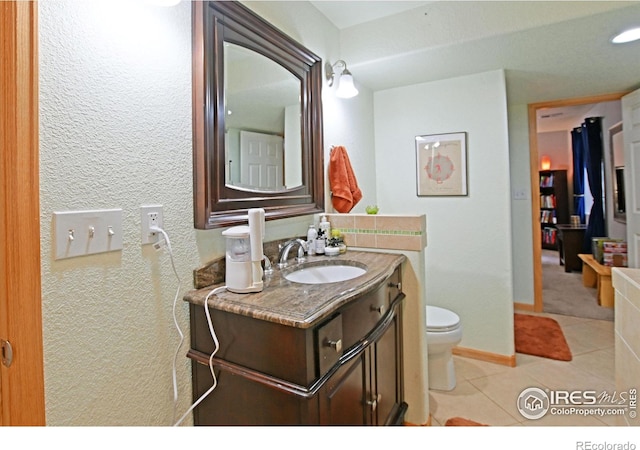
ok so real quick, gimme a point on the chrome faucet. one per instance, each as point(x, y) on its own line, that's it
point(286, 247)
point(268, 269)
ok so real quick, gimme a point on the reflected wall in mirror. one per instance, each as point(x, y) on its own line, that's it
point(616, 147)
point(257, 119)
point(263, 123)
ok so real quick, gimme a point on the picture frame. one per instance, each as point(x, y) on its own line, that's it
point(441, 164)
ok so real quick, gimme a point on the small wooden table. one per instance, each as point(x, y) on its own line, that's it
point(598, 276)
point(570, 239)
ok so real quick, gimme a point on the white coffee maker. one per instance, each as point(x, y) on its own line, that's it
point(244, 254)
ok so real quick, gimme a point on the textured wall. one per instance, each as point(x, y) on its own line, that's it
point(115, 132)
point(115, 106)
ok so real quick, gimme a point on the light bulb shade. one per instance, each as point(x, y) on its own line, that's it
point(627, 36)
point(346, 88)
point(545, 163)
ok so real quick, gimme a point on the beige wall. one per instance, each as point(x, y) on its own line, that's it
point(556, 145)
point(468, 259)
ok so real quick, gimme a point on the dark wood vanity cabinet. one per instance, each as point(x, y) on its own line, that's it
point(368, 389)
point(344, 370)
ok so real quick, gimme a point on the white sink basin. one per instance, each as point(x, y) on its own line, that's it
point(325, 274)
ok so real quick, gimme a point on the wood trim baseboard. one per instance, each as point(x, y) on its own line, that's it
point(410, 424)
point(524, 307)
point(505, 360)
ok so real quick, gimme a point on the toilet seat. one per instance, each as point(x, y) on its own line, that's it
point(440, 320)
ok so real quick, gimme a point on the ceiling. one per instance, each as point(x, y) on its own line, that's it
point(550, 50)
point(344, 14)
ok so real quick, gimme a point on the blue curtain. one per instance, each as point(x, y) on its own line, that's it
point(578, 172)
point(592, 140)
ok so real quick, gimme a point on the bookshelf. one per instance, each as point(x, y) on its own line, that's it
point(554, 205)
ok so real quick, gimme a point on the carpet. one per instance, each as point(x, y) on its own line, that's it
point(462, 422)
point(563, 293)
point(540, 336)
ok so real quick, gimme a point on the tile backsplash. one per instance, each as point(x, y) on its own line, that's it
point(390, 232)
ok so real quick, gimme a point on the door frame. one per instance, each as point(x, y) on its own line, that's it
point(22, 384)
point(535, 182)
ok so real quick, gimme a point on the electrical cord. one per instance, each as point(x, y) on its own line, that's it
point(215, 350)
point(175, 319)
point(181, 334)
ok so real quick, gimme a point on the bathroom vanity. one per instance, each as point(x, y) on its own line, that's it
point(303, 354)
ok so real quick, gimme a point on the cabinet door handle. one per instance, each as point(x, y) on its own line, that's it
point(396, 285)
point(379, 309)
point(336, 345)
point(374, 402)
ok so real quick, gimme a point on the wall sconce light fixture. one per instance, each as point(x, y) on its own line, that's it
point(545, 163)
point(346, 88)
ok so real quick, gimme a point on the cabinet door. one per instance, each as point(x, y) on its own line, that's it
point(342, 399)
point(239, 400)
point(386, 397)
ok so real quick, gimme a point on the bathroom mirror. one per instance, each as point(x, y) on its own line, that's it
point(262, 122)
point(257, 119)
point(616, 147)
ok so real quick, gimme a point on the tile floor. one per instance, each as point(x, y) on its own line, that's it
point(487, 392)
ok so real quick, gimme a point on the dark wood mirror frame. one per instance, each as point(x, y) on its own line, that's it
point(216, 204)
point(617, 176)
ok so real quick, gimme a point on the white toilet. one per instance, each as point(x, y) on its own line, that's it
point(443, 333)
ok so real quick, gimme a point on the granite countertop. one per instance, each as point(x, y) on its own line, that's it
point(302, 305)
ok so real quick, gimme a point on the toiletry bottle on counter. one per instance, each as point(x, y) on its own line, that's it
point(325, 227)
point(320, 243)
point(323, 233)
point(312, 235)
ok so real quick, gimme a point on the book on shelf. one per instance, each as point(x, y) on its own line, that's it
point(546, 180)
point(548, 216)
point(549, 235)
point(548, 201)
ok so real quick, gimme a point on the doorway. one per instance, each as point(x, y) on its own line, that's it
point(538, 304)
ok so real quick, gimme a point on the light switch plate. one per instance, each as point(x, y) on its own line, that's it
point(79, 233)
point(520, 194)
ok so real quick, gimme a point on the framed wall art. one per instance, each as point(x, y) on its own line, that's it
point(441, 163)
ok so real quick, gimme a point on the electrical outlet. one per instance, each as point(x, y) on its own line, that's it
point(150, 216)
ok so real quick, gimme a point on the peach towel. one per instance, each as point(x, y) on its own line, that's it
point(345, 193)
